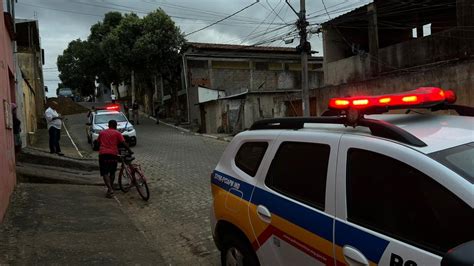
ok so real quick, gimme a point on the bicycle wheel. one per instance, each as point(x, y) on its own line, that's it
point(125, 181)
point(140, 183)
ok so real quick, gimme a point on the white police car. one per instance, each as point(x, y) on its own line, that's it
point(349, 188)
point(99, 120)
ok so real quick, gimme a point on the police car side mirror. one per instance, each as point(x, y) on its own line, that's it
point(461, 255)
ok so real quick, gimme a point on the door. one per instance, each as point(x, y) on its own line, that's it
point(394, 208)
point(291, 212)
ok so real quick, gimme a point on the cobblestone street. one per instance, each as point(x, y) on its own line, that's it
point(178, 166)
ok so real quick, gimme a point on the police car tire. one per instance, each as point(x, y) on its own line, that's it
point(236, 241)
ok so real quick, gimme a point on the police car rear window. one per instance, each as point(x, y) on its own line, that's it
point(460, 159)
point(299, 170)
point(250, 156)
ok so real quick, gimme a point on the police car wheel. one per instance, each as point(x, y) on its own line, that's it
point(237, 252)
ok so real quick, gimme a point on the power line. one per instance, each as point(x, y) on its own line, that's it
point(277, 14)
point(269, 24)
point(214, 23)
point(60, 10)
point(325, 8)
point(258, 26)
point(198, 10)
point(131, 10)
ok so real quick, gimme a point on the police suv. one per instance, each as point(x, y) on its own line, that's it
point(99, 119)
point(354, 186)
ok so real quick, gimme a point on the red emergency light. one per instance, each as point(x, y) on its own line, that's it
point(421, 97)
point(114, 107)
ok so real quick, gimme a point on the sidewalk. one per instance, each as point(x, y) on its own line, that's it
point(222, 137)
point(69, 224)
point(67, 147)
point(58, 214)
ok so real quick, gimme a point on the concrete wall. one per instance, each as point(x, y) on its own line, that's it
point(347, 70)
point(457, 76)
point(237, 75)
point(22, 105)
point(214, 111)
point(30, 65)
point(430, 49)
point(239, 114)
point(30, 121)
point(7, 90)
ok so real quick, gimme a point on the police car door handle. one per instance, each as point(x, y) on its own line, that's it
point(353, 256)
point(264, 213)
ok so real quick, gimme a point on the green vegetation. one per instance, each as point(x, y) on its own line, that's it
point(120, 44)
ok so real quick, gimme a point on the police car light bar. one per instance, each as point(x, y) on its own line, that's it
point(421, 97)
point(114, 107)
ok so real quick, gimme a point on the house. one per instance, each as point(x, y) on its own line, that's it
point(228, 87)
point(30, 85)
point(7, 96)
point(390, 46)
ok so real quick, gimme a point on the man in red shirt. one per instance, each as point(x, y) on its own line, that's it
point(109, 141)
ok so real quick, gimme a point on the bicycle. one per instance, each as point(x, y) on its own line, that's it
point(131, 174)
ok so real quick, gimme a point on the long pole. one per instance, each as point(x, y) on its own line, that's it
point(133, 86)
point(304, 45)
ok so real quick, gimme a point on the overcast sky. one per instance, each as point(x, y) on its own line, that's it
point(268, 22)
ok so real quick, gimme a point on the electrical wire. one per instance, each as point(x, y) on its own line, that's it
point(258, 26)
point(220, 20)
point(277, 14)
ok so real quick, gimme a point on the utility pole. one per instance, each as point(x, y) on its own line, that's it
point(304, 49)
point(133, 85)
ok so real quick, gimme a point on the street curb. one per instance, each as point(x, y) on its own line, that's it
point(226, 139)
point(40, 157)
point(34, 173)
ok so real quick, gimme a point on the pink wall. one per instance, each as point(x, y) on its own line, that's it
point(7, 153)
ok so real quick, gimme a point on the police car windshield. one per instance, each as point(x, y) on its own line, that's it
point(460, 159)
point(105, 118)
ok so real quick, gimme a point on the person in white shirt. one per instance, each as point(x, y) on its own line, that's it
point(54, 128)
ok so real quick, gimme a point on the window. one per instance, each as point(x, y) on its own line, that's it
point(460, 159)
point(427, 29)
point(250, 156)
point(299, 170)
point(105, 118)
point(393, 198)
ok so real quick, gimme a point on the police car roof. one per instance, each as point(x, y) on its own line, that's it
point(439, 132)
point(98, 112)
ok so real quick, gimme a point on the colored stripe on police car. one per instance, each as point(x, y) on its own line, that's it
point(313, 221)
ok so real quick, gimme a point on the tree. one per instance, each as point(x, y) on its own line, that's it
point(160, 43)
point(121, 44)
point(76, 66)
point(157, 50)
point(99, 32)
